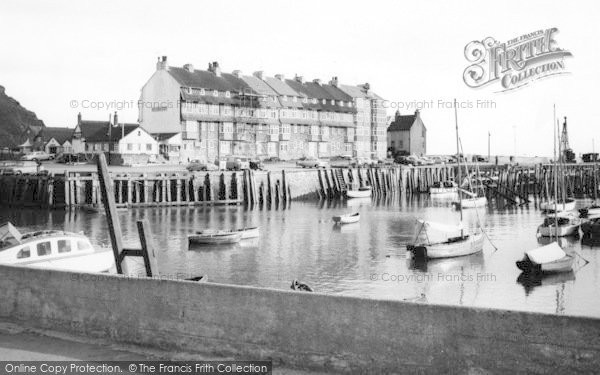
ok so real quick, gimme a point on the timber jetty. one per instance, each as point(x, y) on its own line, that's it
point(275, 189)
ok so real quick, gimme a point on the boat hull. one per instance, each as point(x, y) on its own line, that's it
point(471, 245)
point(473, 202)
point(96, 262)
point(562, 231)
point(569, 205)
point(590, 228)
point(214, 239)
point(564, 264)
point(358, 193)
point(443, 191)
point(246, 233)
point(346, 219)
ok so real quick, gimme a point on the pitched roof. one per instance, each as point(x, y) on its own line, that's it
point(201, 79)
point(280, 87)
point(163, 136)
point(89, 129)
point(60, 134)
point(402, 122)
point(264, 90)
point(354, 91)
point(97, 131)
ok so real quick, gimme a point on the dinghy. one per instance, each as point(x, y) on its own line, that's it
point(216, 238)
point(347, 219)
point(250, 232)
point(443, 188)
point(546, 259)
point(434, 240)
point(473, 202)
point(561, 206)
point(568, 225)
point(362, 192)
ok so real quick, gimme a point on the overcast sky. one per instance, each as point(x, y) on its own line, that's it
point(57, 52)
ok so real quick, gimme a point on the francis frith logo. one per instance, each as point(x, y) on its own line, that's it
point(515, 63)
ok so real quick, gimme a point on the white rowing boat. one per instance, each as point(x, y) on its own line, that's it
point(250, 232)
point(443, 188)
point(561, 206)
point(362, 192)
point(347, 219)
point(216, 238)
point(546, 259)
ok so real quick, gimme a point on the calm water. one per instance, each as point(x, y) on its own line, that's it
point(366, 259)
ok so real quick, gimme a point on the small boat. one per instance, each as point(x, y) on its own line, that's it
point(52, 249)
point(454, 241)
point(561, 206)
point(347, 219)
point(443, 188)
point(250, 232)
point(216, 238)
point(591, 227)
point(473, 202)
point(546, 259)
point(568, 225)
point(297, 285)
point(593, 210)
point(362, 192)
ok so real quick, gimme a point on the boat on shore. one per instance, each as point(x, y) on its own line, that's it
point(362, 192)
point(52, 249)
point(443, 188)
point(546, 259)
point(347, 219)
point(215, 238)
point(249, 232)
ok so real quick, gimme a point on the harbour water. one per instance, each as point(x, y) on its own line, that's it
point(367, 259)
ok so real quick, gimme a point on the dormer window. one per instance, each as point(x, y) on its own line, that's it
point(285, 98)
point(324, 101)
point(295, 99)
point(189, 90)
point(227, 94)
point(305, 100)
point(274, 99)
point(202, 92)
point(215, 93)
point(332, 102)
point(314, 101)
point(341, 103)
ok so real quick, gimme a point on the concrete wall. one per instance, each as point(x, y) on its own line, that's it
point(299, 329)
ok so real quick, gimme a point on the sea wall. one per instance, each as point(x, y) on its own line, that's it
point(308, 330)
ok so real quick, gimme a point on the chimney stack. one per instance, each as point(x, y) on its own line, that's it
point(280, 77)
point(334, 82)
point(214, 68)
point(116, 119)
point(367, 87)
point(161, 64)
point(189, 68)
point(259, 74)
point(299, 79)
point(237, 73)
point(79, 118)
point(317, 81)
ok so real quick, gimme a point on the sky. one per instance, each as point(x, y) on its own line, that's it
point(62, 57)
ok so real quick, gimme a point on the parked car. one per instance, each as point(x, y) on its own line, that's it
point(311, 163)
point(237, 163)
point(272, 159)
point(20, 167)
point(402, 159)
point(256, 165)
point(197, 165)
point(342, 162)
point(38, 155)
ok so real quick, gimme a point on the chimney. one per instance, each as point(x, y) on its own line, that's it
point(280, 77)
point(259, 74)
point(216, 69)
point(161, 64)
point(299, 79)
point(417, 112)
point(366, 87)
point(237, 73)
point(116, 119)
point(317, 81)
point(334, 82)
point(189, 68)
point(397, 114)
point(79, 118)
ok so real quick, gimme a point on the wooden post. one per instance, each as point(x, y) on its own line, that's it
point(148, 249)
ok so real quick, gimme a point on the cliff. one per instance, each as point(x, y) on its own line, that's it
point(16, 122)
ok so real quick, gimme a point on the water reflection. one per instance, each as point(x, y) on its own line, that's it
point(366, 259)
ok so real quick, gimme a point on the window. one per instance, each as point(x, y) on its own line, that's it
point(324, 101)
point(314, 101)
point(83, 245)
point(305, 100)
point(295, 99)
point(348, 147)
point(341, 103)
point(24, 253)
point(332, 102)
point(215, 93)
point(130, 147)
point(43, 248)
point(64, 246)
point(285, 98)
point(139, 133)
point(105, 147)
point(400, 144)
point(285, 129)
point(148, 146)
point(202, 92)
point(283, 146)
point(227, 94)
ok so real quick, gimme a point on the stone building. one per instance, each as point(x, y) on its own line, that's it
point(221, 114)
point(407, 135)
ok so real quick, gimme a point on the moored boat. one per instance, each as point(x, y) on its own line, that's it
point(216, 238)
point(546, 259)
point(52, 249)
point(593, 210)
point(473, 202)
point(250, 232)
point(362, 192)
point(443, 188)
point(453, 242)
point(347, 219)
point(568, 225)
point(561, 206)
point(591, 227)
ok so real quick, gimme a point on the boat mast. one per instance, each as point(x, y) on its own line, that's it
point(555, 179)
point(458, 161)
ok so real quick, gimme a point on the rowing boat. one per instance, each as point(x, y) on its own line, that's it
point(347, 219)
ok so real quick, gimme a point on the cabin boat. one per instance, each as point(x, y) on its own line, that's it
point(444, 241)
point(561, 206)
point(362, 192)
point(52, 249)
point(546, 259)
point(443, 188)
point(215, 238)
point(250, 232)
point(568, 225)
point(347, 219)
